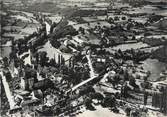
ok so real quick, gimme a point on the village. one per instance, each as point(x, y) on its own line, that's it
point(96, 58)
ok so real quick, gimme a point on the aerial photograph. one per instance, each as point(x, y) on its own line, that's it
point(83, 58)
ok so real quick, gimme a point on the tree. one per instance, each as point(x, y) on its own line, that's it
point(52, 27)
point(88, 103)
point(63, 69)
point(18, 62)
point(55, 43)
point(86, 90)
point(6, 62)
point(43, 59)
point(96, 95)
point(43, 72)
point(132, 82)
point(116, 18)
point(12, 55)
point(82, 30)
point(109, 101)
point(7, 75)
point(123, 18)
point(52, 62)
point(65, 49)
point(116, 80)
point(129, 26)
point(126, 75)
point(36, 55)
point(110, 20)
point(133, 37)
point(30, 72)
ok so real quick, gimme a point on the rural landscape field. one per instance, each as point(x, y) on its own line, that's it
point(83, 58)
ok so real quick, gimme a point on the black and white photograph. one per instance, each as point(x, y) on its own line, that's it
point(83, 58)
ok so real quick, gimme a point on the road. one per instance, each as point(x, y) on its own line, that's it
point(7, 91)
point(92, 75)
point(47, 27)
